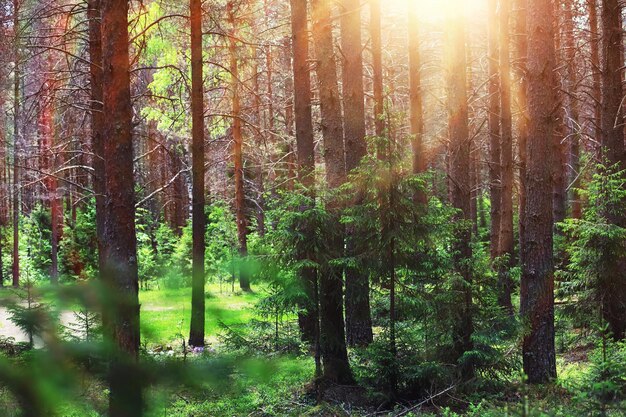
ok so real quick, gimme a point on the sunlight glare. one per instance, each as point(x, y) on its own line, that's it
point(436, 10)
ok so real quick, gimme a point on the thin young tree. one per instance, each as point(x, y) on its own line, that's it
point(537, 283)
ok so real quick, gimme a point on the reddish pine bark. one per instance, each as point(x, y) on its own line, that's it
point(460, 192)
point(495, 170)
point(537, 284)
point(507, 243)
point(119, 243)
point(573, 121)
point(97, 115)
point(377, 68)
point(613, 285)
point(521, 53)
point(332, 332)
point(309, 319)
point(196, 331)
point(559, 194)
point(16, 140)
point(416, 118)
point(596, 72)
point(357, 298)
point(242, 224)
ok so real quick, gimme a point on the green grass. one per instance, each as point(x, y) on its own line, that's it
point(272, 385)
point(277, 391)
point(165, 313)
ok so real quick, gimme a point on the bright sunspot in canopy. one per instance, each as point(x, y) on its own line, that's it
point(436, 10)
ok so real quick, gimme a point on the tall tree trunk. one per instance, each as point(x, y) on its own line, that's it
point(459, 173)
point(495, 170)
point(613, 286)
point(596, 71)
point(46, 131)
point(521, 58)
point(473, 139)
point(309, 319)
point(537, 287)
point(97, 114)
point(559, 193)
point(573, 179)
point(415, 99)
point(16, 141)
point(242, 224)
point(287, 54)
point(377, 68)
point(196, 331)
point(507, 243)
point(121, 314)
point(357, 297)
point(333, 341)
point(270, 73)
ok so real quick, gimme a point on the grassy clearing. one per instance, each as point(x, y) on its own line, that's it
point(165, 313)
point(264, 386)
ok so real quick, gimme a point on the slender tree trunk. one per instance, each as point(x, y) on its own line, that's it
point(573, 178)
point(309, 319)
point(495, 170)
point(596, 71)
point(242, 224)
point(473, 141)
point(459, 173)
point(119, 254)
point(537, 287)
point(3, 180)
point(46, 131)
point(181, 197)
point(377, 68)
point(17, 75)
point(357, 297)
point(4, 195)
point(415, 99)
point(196, 331)
point(270, 73)
point(391, 255)
point(97, 115)
point(521, 52)
point(261, 142)
point(613, 286)
point(287, 54)
point(559, 193)
point(333, 341)
point(507, 242)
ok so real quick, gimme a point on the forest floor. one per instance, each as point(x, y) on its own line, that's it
point(8, 329)
point(165, 314)
point(280, 384)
